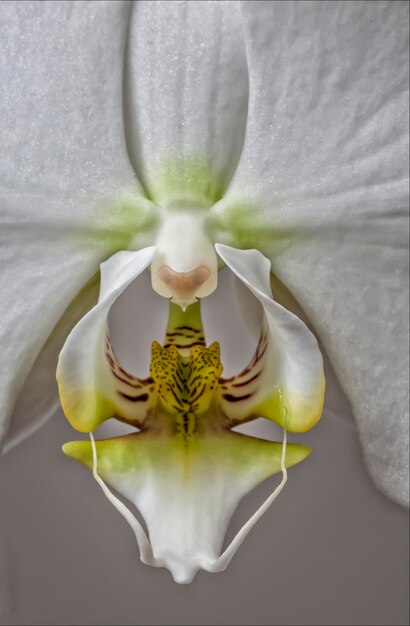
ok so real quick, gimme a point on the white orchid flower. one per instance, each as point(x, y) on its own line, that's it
point(175, 137)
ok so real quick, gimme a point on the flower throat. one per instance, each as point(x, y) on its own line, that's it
point(185, 371)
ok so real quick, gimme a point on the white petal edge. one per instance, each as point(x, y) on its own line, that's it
point(291, 387)
point(39, 400)
point(86, 386)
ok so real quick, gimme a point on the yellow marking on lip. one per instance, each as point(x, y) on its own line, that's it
point(86, 409)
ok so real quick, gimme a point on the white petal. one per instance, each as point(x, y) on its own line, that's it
point(286, 381)
point(91, 384)
point(186, 90)
point(61, 116)
point(322, 187)
point(186, 494)
point(39, 400)
point(68, 195)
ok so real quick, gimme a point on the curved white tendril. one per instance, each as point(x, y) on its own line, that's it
point(223, 561)
point(144, 545)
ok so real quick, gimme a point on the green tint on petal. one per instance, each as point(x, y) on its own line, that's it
point(243, 225)
point(143, 454)
point(185, 182)
point(86, 410)
point(300, 419)
point(132, 220)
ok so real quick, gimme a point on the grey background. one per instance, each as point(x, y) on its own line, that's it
point(331, 550)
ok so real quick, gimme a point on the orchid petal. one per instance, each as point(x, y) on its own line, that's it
point(186, 494)
point(39, 398)
point(92, 385)
point(285, 380)
point(322, 188)
point(186, 99)
point(68, 194)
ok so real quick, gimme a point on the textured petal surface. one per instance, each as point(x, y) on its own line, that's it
point(285, 380)
point(68, 195)
point(186, 494)
point(322, 187)
point(186, 98)
point(39, 399)
point(92, 385)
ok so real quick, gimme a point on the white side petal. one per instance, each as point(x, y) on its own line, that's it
point(286, 382)
point(186, 90)
point(91, 385)
point(324, 177)
point(68, 195)
point(39, 399)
